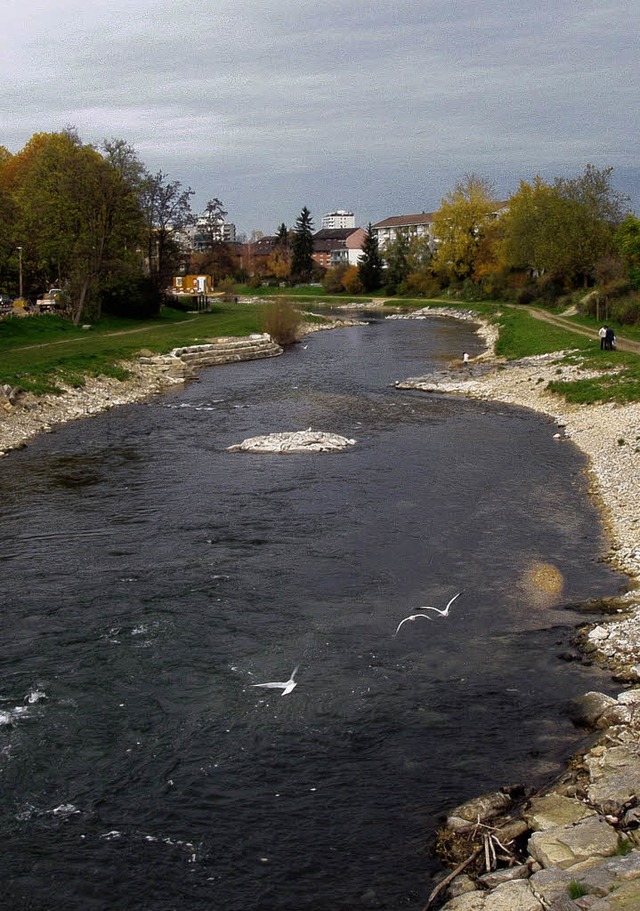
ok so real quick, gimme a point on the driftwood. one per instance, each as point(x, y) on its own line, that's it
point(488, 847)
point(448, 879)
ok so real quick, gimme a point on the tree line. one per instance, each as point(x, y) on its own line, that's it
point(91, 220)
point(549, 240)
point(96, 222)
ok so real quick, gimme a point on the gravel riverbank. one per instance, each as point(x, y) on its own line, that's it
point(576, 846)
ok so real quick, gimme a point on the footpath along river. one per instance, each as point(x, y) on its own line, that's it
point(150, 578)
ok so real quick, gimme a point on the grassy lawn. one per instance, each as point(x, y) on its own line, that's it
point(39, 353)
point(522, 335)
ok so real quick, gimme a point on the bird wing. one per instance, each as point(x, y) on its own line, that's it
point(273, 686)
point(412, 617)
point(452, 600)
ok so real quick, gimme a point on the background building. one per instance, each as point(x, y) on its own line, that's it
point(333, 246)
point(411, 225)
point(339, 219)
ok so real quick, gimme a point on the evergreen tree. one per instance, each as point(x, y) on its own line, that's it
point(302, 247)
point(282, 237)
point(370, 264)
point(396, 254)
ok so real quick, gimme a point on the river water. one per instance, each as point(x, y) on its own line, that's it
point(150, 577)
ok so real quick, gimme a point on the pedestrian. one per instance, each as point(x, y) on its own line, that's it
point(603, 336)
point(465, 358)
point(609, 339)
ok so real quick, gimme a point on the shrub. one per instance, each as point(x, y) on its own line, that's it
point(351, 281)
point(526, 295)
point(626, 310)
point(228, 288)
point(333, 279)
point(424, 284)
point(550, 288)
point(282, 321)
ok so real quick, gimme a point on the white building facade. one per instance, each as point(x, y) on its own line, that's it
point(339, 219)
point(419, 225)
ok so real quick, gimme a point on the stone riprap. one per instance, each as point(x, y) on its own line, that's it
point(582, 846)
point(295, 441)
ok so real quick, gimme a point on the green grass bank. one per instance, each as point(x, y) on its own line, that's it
point(42, 354)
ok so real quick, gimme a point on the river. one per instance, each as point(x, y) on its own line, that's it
point(150, 578)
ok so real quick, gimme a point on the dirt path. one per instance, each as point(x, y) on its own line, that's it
point(78, 338)
point(623, 344)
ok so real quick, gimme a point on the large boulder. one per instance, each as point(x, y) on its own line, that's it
point(565, 846)
point(614, 776)
point(554, 810)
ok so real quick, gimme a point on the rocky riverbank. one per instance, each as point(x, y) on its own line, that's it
point(576, 846)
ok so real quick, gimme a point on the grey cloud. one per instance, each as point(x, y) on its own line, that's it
point(387, 102)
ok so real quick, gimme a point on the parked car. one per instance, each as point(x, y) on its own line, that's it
point(50, 302)
point(6, 303)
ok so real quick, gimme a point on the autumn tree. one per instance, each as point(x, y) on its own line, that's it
point(302, 247)
point(459, 225)
point(370, 264)
point(77, 213)
point(627, 240)
point(8, 220)
point(279, 263)
point(563, 229)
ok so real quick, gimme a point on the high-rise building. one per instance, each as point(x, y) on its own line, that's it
point(339, 219)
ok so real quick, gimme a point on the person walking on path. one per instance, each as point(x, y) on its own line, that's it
point(603, 337)
point(609, 339)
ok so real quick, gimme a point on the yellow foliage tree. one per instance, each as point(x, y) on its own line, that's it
point(460, 224)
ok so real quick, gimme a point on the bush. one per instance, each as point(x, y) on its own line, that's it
point(282, 321)
point(351, 281)
point(333, 279)
point(626, 310)
point(526, 295)
point(423, 284)
point(228, 288)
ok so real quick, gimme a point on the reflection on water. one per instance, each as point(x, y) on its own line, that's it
point(151, 578)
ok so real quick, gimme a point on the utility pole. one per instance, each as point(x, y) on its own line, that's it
point(20, 269)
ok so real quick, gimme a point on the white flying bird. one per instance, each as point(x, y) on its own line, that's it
point(412, 618)
point(286, 686)
point(445, 612)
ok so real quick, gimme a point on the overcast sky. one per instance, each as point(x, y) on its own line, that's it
point(378, 107)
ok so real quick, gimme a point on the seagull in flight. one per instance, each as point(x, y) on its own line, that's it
point(285, 686)
point(412, 618)
point(443, 613)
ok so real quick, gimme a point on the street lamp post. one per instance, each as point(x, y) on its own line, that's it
point(20, 270)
